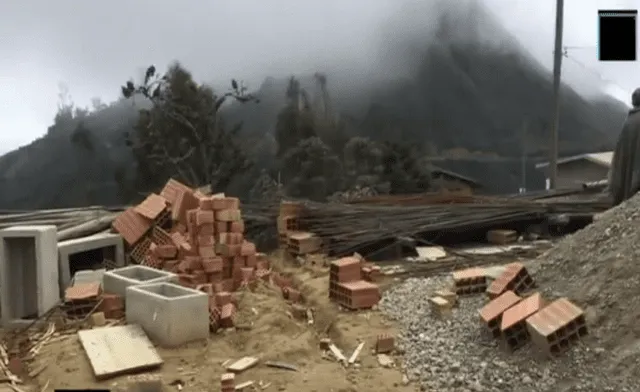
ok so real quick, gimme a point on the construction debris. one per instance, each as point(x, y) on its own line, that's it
point(502, 237)
point(242, 364)
point(346, 286)
point(384, 344)
point(281, 365)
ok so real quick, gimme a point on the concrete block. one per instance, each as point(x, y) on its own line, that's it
point(88, 276)
point(116, 281)
point(28, 272)
point(86, 253)
point(170, 314)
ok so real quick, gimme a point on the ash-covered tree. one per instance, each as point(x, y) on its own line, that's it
point(296, 121)
point(182, 134)
point(404, 169)
point(312, 170)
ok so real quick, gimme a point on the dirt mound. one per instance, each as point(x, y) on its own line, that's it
point(599, 268)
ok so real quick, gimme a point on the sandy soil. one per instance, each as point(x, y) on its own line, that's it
point(275, 335)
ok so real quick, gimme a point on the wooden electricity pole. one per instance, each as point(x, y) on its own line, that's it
point(555, 121)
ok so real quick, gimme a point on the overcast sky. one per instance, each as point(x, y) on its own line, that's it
point(93, 46)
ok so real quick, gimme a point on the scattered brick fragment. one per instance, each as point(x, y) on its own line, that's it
point(385, 343)
point(440, 307)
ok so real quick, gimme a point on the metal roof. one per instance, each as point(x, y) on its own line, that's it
point(469, 180)
point(599, 158)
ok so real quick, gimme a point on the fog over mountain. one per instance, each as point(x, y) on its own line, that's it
point(442, 75)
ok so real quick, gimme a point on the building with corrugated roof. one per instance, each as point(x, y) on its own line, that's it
point(579, 169)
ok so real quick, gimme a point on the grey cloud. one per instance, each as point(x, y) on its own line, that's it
point(94, 46)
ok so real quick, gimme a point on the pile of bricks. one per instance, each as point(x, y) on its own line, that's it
point(288, 221)
point(198, 237)
point(517, 318)
point(348, 285)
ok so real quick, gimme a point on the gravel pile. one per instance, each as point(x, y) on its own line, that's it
point(599, 269)
point(455, 355)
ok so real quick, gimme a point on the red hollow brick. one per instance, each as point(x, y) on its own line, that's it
point(247, 248)
point(168, 251)
point(205, 203)
point(385, 343)
point(554, 328)
point(236, 227)
point(515, 277)
point(498, 306)
point(491, 313)
point(204, 217)
point(222, 298)
point(227, 315)
point(212, 264)
point(521, 311)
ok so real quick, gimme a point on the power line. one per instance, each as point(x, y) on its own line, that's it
point(593, 71)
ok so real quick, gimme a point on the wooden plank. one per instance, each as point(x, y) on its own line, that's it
point(242, 364)
point(337, 353)
point(117, 350)
point(355, 354)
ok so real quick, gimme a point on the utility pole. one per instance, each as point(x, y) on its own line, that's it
point(555, 121)
point(523, 161)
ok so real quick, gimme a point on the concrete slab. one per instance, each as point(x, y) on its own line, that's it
point(88, 276)
point(116, 281)
point(28, 272)
point(117, 350)
point(170, 314)
point(86, 252)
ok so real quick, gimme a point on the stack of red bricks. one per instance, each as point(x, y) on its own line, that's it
point(516, 318)
point(202, 241)
point(347, 286)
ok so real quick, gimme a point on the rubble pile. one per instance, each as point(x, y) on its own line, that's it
point(198, 237)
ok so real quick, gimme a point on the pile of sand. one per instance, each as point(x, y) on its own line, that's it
point(599, 269)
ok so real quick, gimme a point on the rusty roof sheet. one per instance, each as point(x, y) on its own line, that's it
point(172, 189)
point(496, 307)
point(131, 225)
point(554, 316)
point(522, 310)
point(152, 206)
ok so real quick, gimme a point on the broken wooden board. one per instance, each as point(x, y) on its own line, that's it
point(337, 353)
point(242, 364)
point(116, 350)
point(355, 354)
